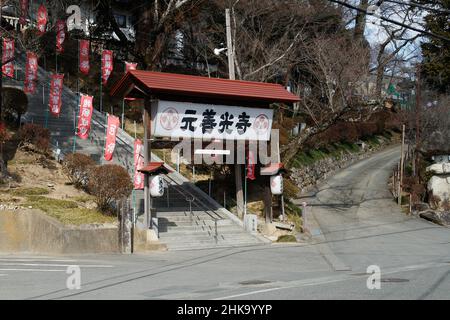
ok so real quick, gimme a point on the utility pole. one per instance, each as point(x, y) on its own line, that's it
point(147, 160)
point(1, 55)
point(402, 159)
point(232, 76)
point(418, 109)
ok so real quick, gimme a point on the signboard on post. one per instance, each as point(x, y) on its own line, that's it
point(42, 19)
point(84, 57)
point(111, 132)
point(31, 73)
point(56, 88)
point(8, 55)
point(60, 35)
point(84, 121)
point(207, 121)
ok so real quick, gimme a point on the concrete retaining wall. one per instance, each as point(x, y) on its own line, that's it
point(33, 231)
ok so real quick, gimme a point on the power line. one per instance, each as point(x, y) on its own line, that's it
point(430, 34)
point(417, 5)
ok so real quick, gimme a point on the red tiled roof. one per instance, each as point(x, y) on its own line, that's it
point(272, 169)
point(154, 167)
point(186, 85)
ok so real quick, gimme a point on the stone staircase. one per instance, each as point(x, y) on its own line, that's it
point(178, 228)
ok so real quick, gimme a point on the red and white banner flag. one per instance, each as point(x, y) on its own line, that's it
point(56, 88)
point(42, 18)
point(8, 54)
point(107, 65)
point(84, 57)
point(60, 35)
point(23, 12)
point(251, 163)
point(138, 164)
point(111, 132)
point(31, 73)
point(84, 121)
point(130, 66)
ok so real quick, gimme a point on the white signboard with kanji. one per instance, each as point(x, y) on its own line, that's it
point(208, 121)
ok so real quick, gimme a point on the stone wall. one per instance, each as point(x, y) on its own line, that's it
point(30, 231)
point(307, 177)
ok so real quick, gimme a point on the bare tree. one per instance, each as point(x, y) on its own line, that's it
point(333, 71)
point(392, 49)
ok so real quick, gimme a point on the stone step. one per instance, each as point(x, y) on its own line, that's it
point(205, 237)
point(184, 247)
point(180, 228)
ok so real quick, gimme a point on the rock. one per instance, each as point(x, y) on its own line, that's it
point(421, 206)
point(30, 207)
point(268, 229)
point(284, 226)
point(51, 185)
point(440, 186)
point(441, 218)
point(439, 168)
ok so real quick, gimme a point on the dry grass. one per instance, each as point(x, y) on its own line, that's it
point(62, 202)
point(67, 212)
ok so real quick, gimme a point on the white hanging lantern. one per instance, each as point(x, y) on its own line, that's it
point(276, 184)
point(156, 186)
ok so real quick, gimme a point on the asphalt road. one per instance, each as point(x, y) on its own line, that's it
point(360, 225)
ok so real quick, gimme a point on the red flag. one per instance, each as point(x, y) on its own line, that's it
point(42, 19)
point(31, 73)
point(60, 35)
point(56, 88)
point(84, 121)
point(138, 164)
point(111, 132)
point(130, 66)
point(84, 56)
point(23, 12)
point(8, 54)
point(251, 166)
point(107, 65)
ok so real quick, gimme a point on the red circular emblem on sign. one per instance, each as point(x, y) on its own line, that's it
point(261, 124)
point(169, 119)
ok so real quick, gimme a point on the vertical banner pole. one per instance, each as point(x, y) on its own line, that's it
point(245, 189)
point(123, 102)
point(78, 101)
point(43, 103)
point(101, 87)
point(106, 132)
point(123, 113)
point(74, 130)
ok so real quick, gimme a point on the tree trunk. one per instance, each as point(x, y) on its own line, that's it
point(360, 21)
point(19, 117)
point(379, 81)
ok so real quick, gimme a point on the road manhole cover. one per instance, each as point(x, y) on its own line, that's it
point(394, 280)
point(253, 282)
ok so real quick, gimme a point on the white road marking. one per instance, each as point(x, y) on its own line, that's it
point(37, 270)
point(326, 280)
point(56, 265)
point(33, 259)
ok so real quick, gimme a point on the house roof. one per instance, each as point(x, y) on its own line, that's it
point(273, 169)
point(154, 168)
point(158, 83)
